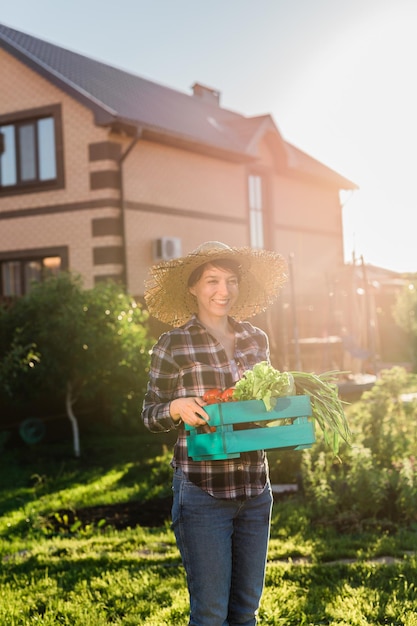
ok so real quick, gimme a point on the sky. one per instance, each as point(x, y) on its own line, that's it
point(337, 76)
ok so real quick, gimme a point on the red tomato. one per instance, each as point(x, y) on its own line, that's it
point(227, 395)
point(212, 396)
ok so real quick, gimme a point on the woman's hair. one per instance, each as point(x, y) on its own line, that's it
point(224, 264)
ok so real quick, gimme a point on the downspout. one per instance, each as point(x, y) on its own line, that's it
point(122, 203)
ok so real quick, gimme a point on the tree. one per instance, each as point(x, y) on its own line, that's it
point(81, 343)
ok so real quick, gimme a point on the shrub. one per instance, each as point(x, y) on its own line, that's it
point(71, 345)
point(383, 422)
point(377, 477)
point(403, 488)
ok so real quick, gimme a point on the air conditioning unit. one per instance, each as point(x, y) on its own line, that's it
point(166, 248)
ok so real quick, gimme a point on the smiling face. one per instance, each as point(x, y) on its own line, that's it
point(216, 291)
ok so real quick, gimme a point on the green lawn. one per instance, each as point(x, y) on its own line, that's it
point(91, 575)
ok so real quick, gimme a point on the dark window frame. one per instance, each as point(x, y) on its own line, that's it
point(19, 118)
point(28, 256)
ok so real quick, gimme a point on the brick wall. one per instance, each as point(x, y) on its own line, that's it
point(63, 216)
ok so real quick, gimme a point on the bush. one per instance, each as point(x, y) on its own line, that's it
point(384, 423)
point(377, 477)
point(69, 345)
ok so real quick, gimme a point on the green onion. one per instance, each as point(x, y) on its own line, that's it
point(327, 407)
point(265, 383)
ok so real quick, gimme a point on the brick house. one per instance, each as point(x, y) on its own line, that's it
point(103, 172)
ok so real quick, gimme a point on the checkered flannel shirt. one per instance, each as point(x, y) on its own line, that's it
point(187, 361)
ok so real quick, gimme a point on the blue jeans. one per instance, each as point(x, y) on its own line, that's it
point(223, 545)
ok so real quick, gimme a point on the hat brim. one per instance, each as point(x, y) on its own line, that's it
point(168, 298)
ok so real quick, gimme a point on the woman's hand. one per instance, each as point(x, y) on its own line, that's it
point(190, 410)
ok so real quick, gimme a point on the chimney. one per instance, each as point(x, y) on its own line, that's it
point(206, 94)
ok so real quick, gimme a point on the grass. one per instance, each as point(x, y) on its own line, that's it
point(96, 575)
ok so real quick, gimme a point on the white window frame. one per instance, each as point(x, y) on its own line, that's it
point(256, 211)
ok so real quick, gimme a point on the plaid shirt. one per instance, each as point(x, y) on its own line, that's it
point(187, 361)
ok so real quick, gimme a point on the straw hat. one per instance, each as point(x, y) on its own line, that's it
point(168, 298)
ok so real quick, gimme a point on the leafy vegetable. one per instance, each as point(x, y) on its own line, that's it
point(265, 383)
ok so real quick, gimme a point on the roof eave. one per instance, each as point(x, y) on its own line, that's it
point(332, 180)
point(167, 138)
point(100, 110)
point(317, 171)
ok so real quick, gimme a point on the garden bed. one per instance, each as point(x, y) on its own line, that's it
point(152, 513)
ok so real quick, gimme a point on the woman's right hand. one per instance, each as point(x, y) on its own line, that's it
point(189, 410)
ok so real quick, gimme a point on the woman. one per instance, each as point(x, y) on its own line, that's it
point(221, 509)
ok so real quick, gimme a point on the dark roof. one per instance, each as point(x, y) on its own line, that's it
point(118, 97)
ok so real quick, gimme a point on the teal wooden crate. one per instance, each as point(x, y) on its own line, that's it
point(231, 438)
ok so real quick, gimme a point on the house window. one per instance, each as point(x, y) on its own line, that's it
point(256, 221)
point(29, 149)
point(17, 275)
